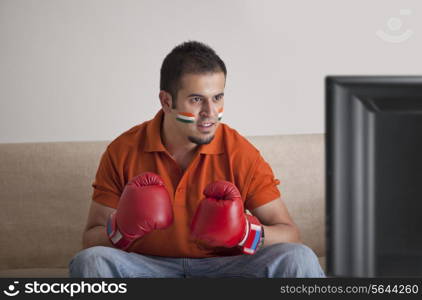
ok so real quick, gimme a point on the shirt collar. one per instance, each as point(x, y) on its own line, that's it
point(153, 138)
point(216, 145)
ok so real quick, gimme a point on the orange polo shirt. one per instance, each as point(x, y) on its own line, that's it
point(228, 157)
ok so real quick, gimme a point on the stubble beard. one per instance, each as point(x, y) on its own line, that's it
point(200, 141)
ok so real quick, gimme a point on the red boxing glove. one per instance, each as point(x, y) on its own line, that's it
point(220, 219)
point(144, 206)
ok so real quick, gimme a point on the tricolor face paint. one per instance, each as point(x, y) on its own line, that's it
point(185, 117)
point(220, 114)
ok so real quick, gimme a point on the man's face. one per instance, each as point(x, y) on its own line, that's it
point(199, 102)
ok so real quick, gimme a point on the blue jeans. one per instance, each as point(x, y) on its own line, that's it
point(278, 260)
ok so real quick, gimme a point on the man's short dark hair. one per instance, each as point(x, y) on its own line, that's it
point(190, 57)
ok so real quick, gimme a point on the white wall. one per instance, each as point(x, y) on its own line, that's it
point(88, 70)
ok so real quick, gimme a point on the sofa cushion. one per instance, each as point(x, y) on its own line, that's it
point(35, 273)
point(298, 162)
point(45, 190)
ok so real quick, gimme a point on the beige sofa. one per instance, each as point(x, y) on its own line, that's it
point(45, 192)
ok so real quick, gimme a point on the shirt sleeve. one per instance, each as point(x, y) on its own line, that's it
point(107, 187)
point(263, 186)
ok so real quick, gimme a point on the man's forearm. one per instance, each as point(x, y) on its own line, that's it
point(281, 233)
point(96, 236)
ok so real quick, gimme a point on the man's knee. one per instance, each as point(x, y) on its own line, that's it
point(295, 260)
point(90, 261)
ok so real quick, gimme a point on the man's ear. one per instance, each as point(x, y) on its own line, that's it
point(166, 101)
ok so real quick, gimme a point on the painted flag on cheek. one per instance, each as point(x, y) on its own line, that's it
point(185, 117)
point(220, 114)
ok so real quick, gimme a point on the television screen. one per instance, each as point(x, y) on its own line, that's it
point(374, 176)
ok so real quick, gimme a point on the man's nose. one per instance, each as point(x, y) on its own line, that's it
point(207, 108)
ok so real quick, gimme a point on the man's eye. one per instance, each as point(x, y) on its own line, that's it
point(196, 99)
point(218, 97)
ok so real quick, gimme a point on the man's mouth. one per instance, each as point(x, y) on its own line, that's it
point(205, 126)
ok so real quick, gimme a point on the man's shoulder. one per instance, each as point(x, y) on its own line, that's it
point(236, 143)
point(129, 139)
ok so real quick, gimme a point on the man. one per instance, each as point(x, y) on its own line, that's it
point(170, 194)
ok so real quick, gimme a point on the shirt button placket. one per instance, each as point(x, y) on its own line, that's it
point(179, 196)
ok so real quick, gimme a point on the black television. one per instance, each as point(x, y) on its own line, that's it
point(373, 175)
